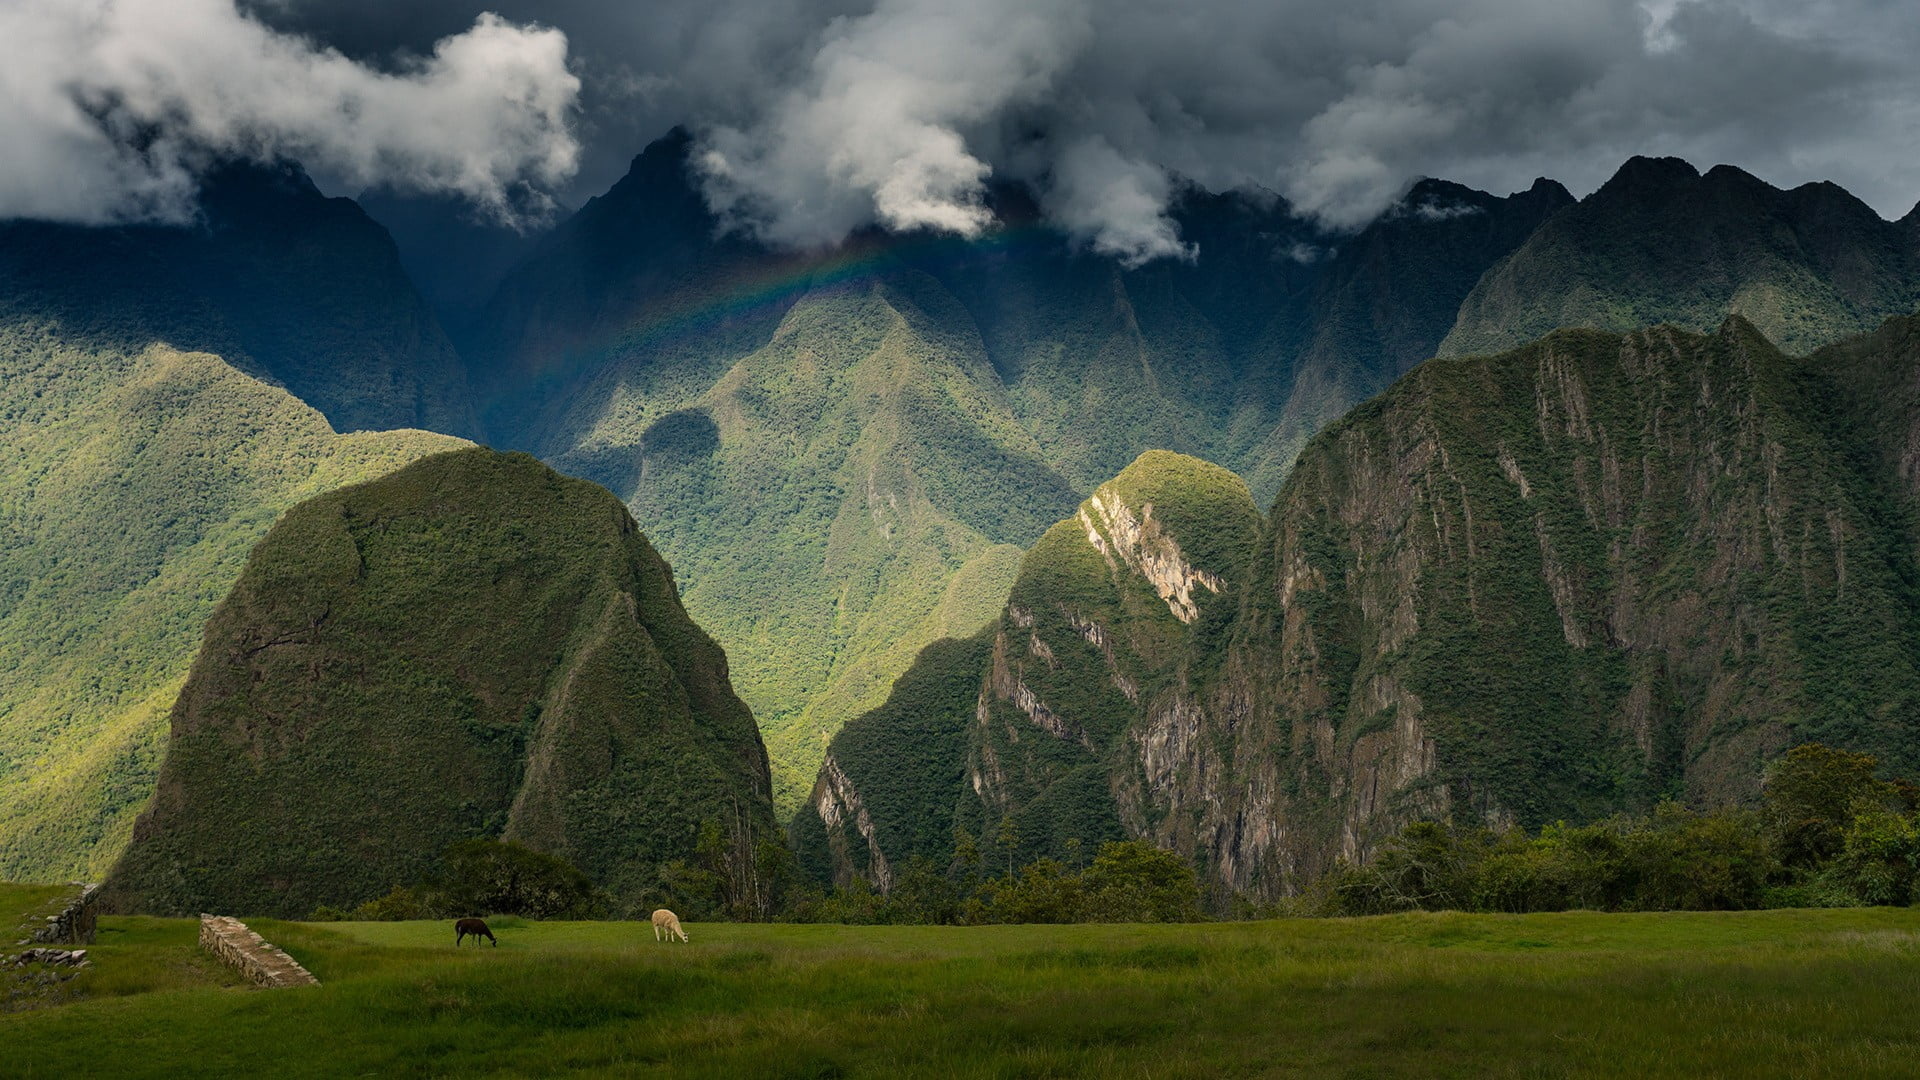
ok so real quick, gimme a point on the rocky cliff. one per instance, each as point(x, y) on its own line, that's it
point(472, 646)
point(1563, 581)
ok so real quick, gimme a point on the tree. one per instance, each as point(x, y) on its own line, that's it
point(1008, 838)
point(1133, 881)
point(494, 877)
point(1879, 856)
point(1811, 796)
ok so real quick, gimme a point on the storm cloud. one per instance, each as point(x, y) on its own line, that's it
point(817, 117)
point(114, 106)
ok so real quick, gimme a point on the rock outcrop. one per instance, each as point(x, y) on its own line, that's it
point(474, 646)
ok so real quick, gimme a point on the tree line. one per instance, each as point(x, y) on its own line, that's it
point(1828, 833)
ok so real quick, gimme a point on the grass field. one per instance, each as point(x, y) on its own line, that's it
point(1782, 993)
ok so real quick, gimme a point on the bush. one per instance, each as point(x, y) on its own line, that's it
point(1879, 856)
point(1043, 893)
point(401, 905)
point(1133, 881)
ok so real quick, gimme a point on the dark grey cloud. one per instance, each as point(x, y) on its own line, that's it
point(815, 117)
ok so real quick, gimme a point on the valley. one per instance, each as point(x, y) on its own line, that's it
point(1279, 627)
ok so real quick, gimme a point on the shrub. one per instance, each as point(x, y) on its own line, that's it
point(1879, 856)
point(1133, 881)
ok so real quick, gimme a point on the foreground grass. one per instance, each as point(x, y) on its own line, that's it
point(1801, 993)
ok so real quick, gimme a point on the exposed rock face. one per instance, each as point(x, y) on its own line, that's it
point(472, 646)
point(839, 806)
point(1147, 550)
point(1557, 583)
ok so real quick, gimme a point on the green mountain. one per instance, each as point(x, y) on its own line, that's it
point(132, 484)
point(841, 452)
point(1660, 243)
point(472, 646)
point(1555, 583)
point(288, 285)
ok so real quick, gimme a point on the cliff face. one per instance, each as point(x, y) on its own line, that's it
point(1556, 583)
point(472, 646)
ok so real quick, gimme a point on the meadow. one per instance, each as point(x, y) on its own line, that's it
point(1782, 993)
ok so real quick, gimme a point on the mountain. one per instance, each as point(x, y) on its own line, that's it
point(455, 258)
point(132, 484)
point(290, 286)
point(1661, 243)
point(1550, 584)
point(841, 451)
point(471, 646)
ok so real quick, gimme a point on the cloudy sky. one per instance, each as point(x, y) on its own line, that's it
point(815, 117)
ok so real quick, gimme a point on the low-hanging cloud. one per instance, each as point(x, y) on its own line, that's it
point(818, 117)
point(115, 106)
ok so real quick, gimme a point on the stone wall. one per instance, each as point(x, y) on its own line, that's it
point(74, 923)
point(250, 954)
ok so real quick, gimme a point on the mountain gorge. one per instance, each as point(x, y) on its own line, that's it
point(1556, 583)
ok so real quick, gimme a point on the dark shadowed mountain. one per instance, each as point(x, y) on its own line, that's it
point(285, 283)
point(1661, 243)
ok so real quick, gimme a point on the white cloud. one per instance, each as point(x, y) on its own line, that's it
point(1118, 206)
point(115, 105)
point(876, 128)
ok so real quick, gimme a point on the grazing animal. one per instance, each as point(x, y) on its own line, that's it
point(669, 922)
point(475, 927)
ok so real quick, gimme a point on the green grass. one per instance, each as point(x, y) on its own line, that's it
point(1801, 993)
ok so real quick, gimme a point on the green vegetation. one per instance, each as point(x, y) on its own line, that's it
point(843, 454)
point(132, 484)
point(1788, 993)
point(1085, 635)
point(905, 760)
point(1562, 584)
point(1660, 243)
point(471, 647)
point(1129, 881)
point(1830, 835)
point(807, 503)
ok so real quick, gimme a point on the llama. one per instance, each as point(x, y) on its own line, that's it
point(669, 922)
point(477, 928)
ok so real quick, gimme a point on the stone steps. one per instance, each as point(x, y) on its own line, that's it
point(250, 954)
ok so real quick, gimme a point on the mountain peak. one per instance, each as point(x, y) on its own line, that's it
point(1649, 176)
